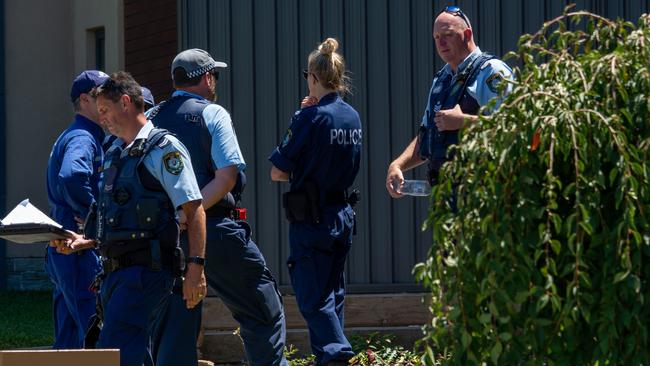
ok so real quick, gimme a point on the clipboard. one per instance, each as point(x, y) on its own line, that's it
point(32, 232)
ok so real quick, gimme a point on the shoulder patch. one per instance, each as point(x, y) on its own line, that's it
point(173, 162)
point(493, 81)
point(287, 138)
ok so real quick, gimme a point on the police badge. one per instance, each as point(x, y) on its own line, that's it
point(173, 162)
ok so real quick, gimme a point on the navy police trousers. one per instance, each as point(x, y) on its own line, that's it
point(236, 270)
point(316, 265)
point(133, 299)
point(73, 303)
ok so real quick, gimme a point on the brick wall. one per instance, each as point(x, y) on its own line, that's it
point(26, 274)
point(150, 43)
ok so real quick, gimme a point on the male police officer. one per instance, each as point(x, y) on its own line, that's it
point(235, 267)
point(72, 187)
point(147, 176)
point(149, 102)
point(467, 82)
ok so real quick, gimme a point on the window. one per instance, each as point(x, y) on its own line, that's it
point(96, 48)
point(100, 53)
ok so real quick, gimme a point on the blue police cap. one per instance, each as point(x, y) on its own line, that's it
point(85, 82)
point(148, 97)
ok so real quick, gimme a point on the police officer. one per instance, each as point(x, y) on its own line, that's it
point(149, 101)
point(73, 174)
point(467, 82)
point(235, 267)
point(320, 156)
point(147, 176)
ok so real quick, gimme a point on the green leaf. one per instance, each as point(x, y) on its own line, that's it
point(556, 246)
point(465, 339)
point(621, 276)
point(541, 303)
point(485, 318)
point(496, 352)
point(505, 336)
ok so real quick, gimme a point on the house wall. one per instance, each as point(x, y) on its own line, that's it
point(46, 46)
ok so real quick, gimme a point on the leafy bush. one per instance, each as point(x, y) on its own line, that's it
point(542, 262)
point(371, 350)
point(378, 350)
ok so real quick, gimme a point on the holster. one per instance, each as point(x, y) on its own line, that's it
point(178, 263)
point(302, 205)
point(425, 139)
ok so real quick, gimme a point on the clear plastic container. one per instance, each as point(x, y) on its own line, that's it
point(419, 188)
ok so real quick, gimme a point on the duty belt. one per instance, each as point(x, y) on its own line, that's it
point(136, 258)
point(234, 213)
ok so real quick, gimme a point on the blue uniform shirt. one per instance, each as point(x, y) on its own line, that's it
point(73, 171)
point(181, 187)
point(482, 89)
point(323, 144)
point(225, 149)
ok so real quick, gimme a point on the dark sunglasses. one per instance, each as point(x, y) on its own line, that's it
point(305, 74)
point(454, 10)
point(216, 74)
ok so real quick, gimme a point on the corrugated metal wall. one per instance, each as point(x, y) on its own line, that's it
point(389, 50)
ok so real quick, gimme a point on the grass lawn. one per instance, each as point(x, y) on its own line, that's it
point(25, 319)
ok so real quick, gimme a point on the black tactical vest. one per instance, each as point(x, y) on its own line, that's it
point(183, 116)
point(133, 208)
point(446, 93)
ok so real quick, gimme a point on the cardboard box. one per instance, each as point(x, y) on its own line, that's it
point(77, 357)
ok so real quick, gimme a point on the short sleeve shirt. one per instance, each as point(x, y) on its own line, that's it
point(483, 89)
point(323, 144)
point(180, 186)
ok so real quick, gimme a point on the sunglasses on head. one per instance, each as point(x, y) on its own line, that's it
point(454, 10)
point(305, 74)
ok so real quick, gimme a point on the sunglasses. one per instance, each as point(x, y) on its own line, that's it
point(305, 74)
point(454, 10)
point(216, 74)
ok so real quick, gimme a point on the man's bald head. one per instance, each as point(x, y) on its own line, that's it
point(454, 38)
point(451, 20)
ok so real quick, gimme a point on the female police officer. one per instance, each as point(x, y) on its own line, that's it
point(320, 156)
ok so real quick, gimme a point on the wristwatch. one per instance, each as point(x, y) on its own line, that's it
point(196, 260)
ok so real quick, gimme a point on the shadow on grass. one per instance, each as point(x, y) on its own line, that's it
point(25, 319)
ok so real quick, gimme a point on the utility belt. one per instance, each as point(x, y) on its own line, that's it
point(304, 205)
point(153, 257)
point(235, 213)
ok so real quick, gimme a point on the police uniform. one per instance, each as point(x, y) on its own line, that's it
point(322, 151)
point(472, 86)
point(72, 187)
point(137, 231)
point(235, 268)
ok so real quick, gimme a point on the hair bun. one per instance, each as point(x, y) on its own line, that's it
point(328, 46)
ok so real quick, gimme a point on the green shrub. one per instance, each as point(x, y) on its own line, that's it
point(542, 263)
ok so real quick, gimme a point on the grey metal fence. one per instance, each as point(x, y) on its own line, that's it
point(389, 50)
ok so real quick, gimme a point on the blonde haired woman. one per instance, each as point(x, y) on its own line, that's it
point(320, 156)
